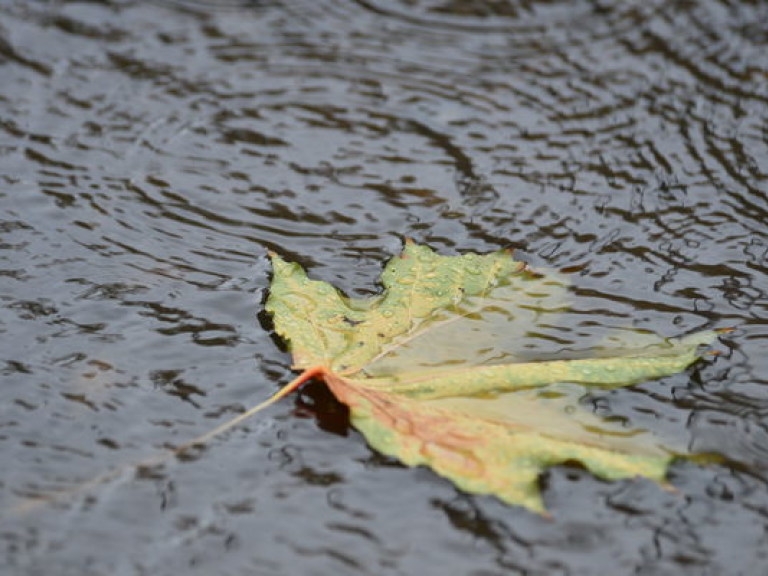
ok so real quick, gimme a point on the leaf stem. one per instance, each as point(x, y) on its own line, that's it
point(293, 385)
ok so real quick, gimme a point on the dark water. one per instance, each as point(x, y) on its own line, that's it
point(151, 153)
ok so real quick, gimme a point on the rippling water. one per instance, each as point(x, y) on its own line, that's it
point(150, 155)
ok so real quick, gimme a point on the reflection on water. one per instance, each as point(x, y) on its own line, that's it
point(150, 155)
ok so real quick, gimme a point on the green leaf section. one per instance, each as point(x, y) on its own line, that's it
point(468, 414)
point(654, 362)
point(421, 288)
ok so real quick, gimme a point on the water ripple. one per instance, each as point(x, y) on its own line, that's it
point(152, 153)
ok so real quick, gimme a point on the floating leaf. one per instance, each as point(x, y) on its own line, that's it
point(439, 370)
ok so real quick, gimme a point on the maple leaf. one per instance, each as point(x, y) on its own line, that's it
point(439, 370)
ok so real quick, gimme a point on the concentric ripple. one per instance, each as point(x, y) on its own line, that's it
point(151, 153)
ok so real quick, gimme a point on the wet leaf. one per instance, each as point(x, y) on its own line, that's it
point(449, 367)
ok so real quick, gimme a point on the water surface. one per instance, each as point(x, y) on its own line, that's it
point(152, 153)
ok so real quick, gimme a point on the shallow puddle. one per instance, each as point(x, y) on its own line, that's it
point(152, 153)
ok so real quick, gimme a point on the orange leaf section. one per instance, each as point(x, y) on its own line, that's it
point(431, 433)
point(481, 455)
